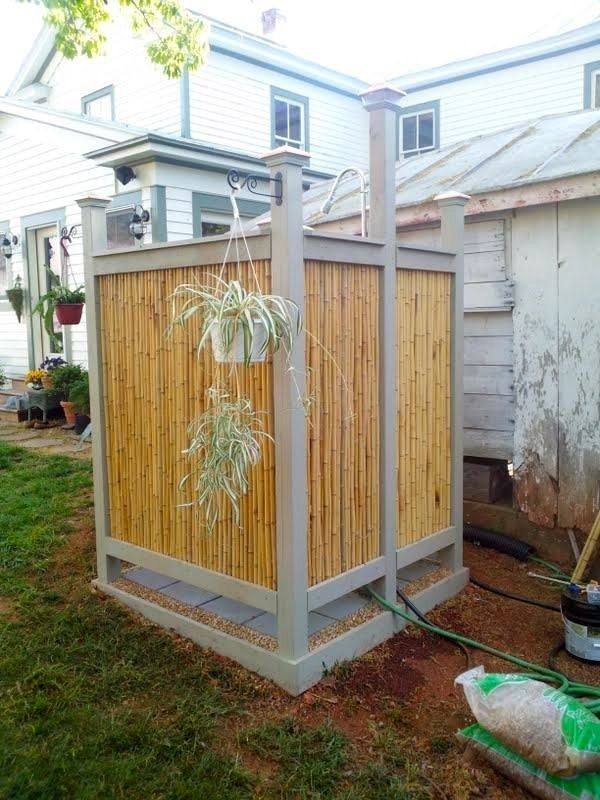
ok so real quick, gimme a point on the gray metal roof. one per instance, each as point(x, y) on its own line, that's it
point(546, 149)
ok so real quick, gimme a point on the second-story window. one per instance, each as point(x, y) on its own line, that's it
point(419, 129)
point(289, 119)
point(100, 104)
point(591, 85)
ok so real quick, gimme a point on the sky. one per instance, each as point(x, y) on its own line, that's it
point(374, 39)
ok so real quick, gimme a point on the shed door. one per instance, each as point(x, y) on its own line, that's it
point(489, 395)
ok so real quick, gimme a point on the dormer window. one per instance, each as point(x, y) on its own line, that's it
point(99, 104)
point(419, 128)
point(289, 119)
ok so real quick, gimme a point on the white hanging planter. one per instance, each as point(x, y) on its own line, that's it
point(235, 354)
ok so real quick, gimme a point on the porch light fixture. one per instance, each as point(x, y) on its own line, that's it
point(138, 224)
point(8, 241)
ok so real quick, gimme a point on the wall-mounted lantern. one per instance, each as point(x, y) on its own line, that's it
point(138, 224)
point(8, 241)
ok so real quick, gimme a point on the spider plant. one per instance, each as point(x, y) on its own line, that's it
point(225, 443)
point(253, 321)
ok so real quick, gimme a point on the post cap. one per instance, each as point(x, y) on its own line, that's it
point(382, 95)
point(98, 202)
point(452, 199)
point(286, 155)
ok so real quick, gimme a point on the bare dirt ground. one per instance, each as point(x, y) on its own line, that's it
point(408, 682)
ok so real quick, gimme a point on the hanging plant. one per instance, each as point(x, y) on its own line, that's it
point(66, 303)
point(225, 443)
point(16, 297)
point(242, 325)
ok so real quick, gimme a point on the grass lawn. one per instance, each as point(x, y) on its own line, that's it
point(97, 704)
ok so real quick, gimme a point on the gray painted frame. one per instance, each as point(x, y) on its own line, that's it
point(407, 111)
point(588, 69)
point(294, 666)
point(299, 99)
point(103, 92)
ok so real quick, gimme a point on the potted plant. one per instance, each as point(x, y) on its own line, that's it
point(63, 377)
point(79, 395)
point(242, 325)
point(35, 377)
point(48, 365)
point(16, 297)
point(225, 442)
point(66, 303)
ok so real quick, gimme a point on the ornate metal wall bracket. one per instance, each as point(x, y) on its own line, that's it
point(250, 182)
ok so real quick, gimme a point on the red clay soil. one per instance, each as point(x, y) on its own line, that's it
point(409, 680)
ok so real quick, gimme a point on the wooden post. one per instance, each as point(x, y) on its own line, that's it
point(291, 506)
point(381, 103)
point(452, 211)
point(93, 224)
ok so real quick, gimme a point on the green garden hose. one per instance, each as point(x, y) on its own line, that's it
point(533, 670)
point(549, 565)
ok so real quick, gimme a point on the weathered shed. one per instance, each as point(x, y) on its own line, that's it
point(532, 300)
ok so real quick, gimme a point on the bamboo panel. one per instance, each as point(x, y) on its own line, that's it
point(423, 340)
point(342, 323)
point(153, 387)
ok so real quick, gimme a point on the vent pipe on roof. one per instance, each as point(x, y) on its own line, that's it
point(274, 24)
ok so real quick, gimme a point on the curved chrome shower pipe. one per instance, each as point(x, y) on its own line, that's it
point(327, 205)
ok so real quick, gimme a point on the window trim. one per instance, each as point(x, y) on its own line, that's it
point(297, 99)
point(589, 70)
point(409, 111)
point(89, 98)
point(221, 204)
point(4, 302)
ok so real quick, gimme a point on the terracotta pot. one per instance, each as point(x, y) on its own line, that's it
point(69, 313)
point(47, 382)
point(69, 411)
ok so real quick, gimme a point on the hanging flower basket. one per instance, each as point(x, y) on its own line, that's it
point(16, 297)
point(69, 313)
point(242, 349)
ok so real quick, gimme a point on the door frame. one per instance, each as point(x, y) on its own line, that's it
point(29, 224)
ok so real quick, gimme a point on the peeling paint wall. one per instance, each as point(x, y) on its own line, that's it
point(556, 271)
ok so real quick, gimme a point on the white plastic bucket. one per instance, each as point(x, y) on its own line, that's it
point(235, 354)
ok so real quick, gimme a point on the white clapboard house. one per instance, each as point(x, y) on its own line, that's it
point(67, 127)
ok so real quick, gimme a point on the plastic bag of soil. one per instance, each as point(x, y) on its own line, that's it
point(525, 774)
point(553, 731)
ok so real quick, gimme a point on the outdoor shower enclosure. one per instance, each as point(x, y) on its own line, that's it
point(363, 487)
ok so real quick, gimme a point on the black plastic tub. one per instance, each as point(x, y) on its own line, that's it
point(582, 626)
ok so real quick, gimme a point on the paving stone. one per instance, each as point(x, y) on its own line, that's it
point(38, 444)
point(265, 623)
point(148, 578)
point(232, 609)
point(343, 606)
point(17, 436)
point(188, 594)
